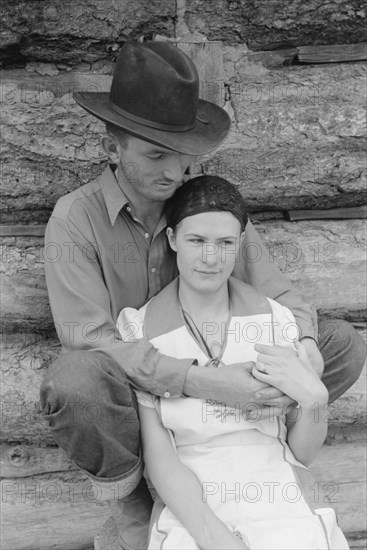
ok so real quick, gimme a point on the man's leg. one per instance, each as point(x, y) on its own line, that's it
point(344, 353)
point(92, 414)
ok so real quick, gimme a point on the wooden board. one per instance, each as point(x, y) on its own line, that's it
point(208, 59)
point(23, 366)
point(354, 212)
point(332, 53)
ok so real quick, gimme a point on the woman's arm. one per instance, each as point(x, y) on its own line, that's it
point(179, 488)
point(295, 376)
point(307, 429)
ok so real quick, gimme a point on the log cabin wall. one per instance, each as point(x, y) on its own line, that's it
point(297, 143)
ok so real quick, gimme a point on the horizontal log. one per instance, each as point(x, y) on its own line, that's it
point(324, 259)
point(340, 470)
point(269, 24)
point(296, 139)
point(73, 32)
point(91, 31)
point(59, 511)
point(46, 505)
point(25, 359)
point(18, 461)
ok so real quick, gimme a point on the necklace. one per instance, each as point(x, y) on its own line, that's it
point(215, 359)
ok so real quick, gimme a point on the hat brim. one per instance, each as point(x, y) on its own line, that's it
point(211, 126)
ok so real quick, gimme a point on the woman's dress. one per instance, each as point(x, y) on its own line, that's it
point(249, 476)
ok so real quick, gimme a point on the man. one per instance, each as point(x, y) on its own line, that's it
point(115, 254)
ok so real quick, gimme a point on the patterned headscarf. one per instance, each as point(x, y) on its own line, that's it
point(205, 194)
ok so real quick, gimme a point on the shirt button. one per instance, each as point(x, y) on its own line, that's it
point(167, 394)
point(146, 235)
point(128, 208)
point(153, 270)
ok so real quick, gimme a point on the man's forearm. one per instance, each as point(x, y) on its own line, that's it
point(235, 387)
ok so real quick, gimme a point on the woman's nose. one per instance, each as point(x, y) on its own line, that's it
point(211, 253)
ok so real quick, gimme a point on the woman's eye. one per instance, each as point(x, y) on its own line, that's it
point(196, 241)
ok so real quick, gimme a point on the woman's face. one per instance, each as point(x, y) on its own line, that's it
point(207, 246)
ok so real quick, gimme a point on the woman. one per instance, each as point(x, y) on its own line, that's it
point(226, 478)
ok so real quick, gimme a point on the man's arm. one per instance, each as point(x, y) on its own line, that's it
point(81, 309)
point(257, 268)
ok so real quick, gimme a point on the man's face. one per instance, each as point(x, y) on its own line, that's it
point(150, 172)
point(207, 246)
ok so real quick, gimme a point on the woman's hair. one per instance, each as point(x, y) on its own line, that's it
point(205, 194)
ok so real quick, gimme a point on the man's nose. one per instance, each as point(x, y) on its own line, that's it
point(175, 167)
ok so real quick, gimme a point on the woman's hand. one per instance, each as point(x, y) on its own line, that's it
point(291, 372)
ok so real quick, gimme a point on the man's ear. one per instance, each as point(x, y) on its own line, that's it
point(171, 236)
point(111, 148)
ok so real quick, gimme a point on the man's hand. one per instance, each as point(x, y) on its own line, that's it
point(292, 372)
point(235, 386)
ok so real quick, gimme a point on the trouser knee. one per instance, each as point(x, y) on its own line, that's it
point(81, 377)
point(344, 354)
point(92, 412)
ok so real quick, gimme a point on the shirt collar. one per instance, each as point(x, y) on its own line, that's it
point(114, 196)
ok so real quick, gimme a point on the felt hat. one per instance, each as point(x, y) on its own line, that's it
point(155, 96)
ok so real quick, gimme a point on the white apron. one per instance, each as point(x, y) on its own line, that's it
point(249, 476)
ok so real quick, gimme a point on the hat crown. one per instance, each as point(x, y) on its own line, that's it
point(157, 83)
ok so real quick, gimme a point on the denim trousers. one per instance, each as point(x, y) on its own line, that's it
point(92, 413)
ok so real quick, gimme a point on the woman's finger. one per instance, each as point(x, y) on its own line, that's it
point(262, 373)
point(274, 351)
point(269, 360)
point(269, 393)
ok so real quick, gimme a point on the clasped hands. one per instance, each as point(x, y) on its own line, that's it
point(280, 379)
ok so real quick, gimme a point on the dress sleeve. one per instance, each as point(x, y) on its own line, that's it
point(286, 330)
point(146, 399)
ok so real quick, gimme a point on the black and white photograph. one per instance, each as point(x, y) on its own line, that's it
point(183, 275)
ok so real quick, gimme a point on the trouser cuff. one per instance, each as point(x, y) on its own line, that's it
point(118, 487)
